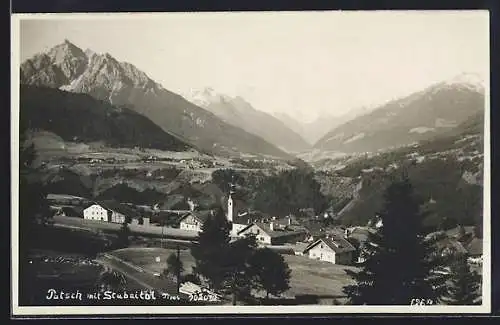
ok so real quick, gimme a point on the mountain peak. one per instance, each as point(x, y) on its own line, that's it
point(64, 50)
point(470, 80)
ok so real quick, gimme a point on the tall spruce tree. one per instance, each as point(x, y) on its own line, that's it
point(123, 236)
point(238, 278)
point(210, 252)
point(400, 260)
point(34, 215)
point(465, 284)
point(270, 271)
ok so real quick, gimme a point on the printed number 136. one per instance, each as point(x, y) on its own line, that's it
point(421, 302)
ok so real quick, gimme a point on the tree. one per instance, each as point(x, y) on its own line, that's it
point(210, 251)
point(224, 177)
point(111, 280)
point(399, 260)
point(478, 231)
point(34, 212)
point(174, 267)
point(289, 192)
point(271, 272)
point(191, 277)
point(238, 276)
point(123, 236)
point(357, 245)
point(465, 284)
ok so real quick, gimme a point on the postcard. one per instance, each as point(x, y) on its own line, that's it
point(251, 162)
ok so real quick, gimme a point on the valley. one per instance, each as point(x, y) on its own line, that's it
point(125, 171)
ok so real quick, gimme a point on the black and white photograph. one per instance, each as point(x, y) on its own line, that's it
point(250, 162)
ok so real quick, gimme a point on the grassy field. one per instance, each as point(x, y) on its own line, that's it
point(316, 277)
point(46, 269)
point(309, 277)
point(145, 257)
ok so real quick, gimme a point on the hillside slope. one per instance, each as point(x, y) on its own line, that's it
point(81, 118)
point(422, 115)
point(446, 172)
point(238, 112)
point(69, 68)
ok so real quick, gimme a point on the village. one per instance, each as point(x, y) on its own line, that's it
point(304, 242)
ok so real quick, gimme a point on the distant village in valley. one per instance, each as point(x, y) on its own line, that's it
point(133, 194)
point(333, 244)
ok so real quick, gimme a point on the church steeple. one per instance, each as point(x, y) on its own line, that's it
point(230, 206)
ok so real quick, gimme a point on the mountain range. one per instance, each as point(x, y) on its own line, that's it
point(238, 112)
point(121, 84)
point(422, 115)
point(231, 126)
point(81, 118)
point(316, 129)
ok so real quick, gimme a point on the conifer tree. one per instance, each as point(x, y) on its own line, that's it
point(271, 272)
point(238, 277)
point(210, 252)
point(123, 236)
point(465, 284)
point(399, 260)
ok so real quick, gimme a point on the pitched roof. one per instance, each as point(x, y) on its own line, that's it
point(456, 231)
point(265, 227)
point(475, 247)
point(118, 207)
point(337, 244)
point(247, 217)
point(451, 243)
point(361, 233)
point(201, 216)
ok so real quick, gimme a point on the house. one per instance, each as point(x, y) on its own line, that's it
point(360, 234)
point(336, 250)
point(460, 231)
point(298, 248)
point(269, 234)
point(359, 238)
point(475, 250)
point(119, 213)
point(110, 211)
point(450, 246)
point(95, 212)
point(194, 220)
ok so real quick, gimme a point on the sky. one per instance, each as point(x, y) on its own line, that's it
point(304, 64)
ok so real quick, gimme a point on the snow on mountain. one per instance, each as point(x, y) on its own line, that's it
point(472, 81)
point(101, 76)
point(240, 113)
point(423, 114)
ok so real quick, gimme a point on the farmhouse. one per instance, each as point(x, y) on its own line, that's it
point(475, 250)
point(194, 220)
point(359, 238)
point(110, 211)
point(95, 212)
point(334, 249)
point(450, 246)
point(270, 234)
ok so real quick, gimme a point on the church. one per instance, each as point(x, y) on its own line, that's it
point(237, 213)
